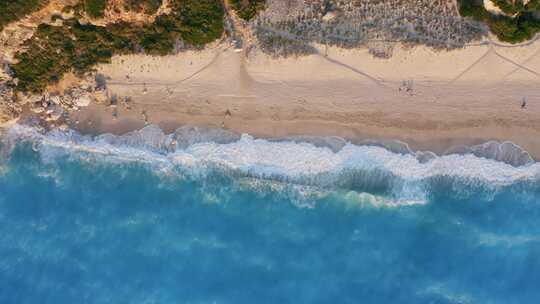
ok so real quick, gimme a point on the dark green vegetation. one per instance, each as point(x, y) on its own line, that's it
point(95, 8)
point(148, 6)
point(198, 21)
point(520, 24)
point(517, 7)
point(247, 9)
point(195, 22)
point(56, 50)
point(13, 10)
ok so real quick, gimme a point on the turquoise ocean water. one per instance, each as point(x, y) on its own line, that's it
point(206, 216)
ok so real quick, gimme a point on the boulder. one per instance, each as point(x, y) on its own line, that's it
point(54, 113)
point(83, 101)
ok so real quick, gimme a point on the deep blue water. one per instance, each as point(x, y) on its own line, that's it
point(75, 228)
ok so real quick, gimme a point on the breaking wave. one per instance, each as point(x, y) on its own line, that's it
point(372, 170)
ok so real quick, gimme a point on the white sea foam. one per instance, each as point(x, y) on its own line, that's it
point(353, 199)
point(290, 161)
point(298, 160)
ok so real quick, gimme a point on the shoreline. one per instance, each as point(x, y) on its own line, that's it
point(438, 142)
point(431, 100)
point(166, 138)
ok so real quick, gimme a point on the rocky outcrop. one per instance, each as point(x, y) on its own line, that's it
point(9, 110)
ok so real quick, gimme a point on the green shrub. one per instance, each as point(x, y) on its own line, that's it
point(157, 39)
point(533, 6)
point(148, 6)
point(519, 27)
point(247, 9)
point(468, 8)
point(95, 8)
point(511, 7)
point(46, 59)
point(13, 10)
point(55, 50)
point(201, 21)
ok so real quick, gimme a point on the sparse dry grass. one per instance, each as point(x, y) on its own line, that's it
point(357, 23)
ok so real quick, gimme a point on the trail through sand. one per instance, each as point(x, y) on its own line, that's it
point(431, 99)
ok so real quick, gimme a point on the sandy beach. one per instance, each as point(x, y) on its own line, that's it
point(431, 99)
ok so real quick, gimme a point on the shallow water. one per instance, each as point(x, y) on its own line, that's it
point(119, 220)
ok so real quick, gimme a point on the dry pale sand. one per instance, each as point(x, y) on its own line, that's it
point(464, 96)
